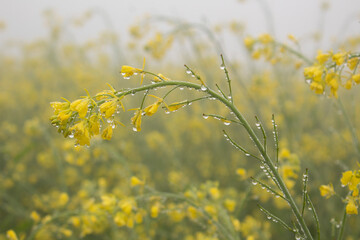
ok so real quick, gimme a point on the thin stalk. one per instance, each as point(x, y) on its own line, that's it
point(341, 233)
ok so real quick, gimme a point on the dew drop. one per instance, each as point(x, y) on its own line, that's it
point(71, 135)
point(181, 88)
point(227, 123)
point(135, 129)
point(254, 183)
point(188, 71)
point(222, 66)
point(203, 88)
point(205, 116)
point(247, 154)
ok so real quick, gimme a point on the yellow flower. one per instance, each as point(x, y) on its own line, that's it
point(230, 205)
point(192, 212)
point(322, 57)
point(151, 109)
point(136, 120)
point(265, 38)
point(63, 199)
point(35, 216)
point(175, 106)
point(241, 172)
point(292, 38)
point(356, 78)
point(351, 207)
point(109, 108)
point(346, 178)
point(81, 133)
point(249, 42)
point(154, 211)
point(128, 71)
point(136, 181)
point(120, 219)
point(80, 106)
point(352, 63)
point(11, 235)
point(327, 190)
point(107, 133)
point(160, 78)
point(94, 125)
point(318, 88)
point(339, 58)
point(211, 210)
point(214, 192)
point(59, 106)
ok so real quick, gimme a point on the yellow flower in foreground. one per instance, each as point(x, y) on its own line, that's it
point(160, 78)
point(327, 190)
point(136, 120)
point(128, 71)
point(175, 106)
point(109, 108)
point(81, 133)
point(151, 109)
point(80, 106)
point(351, 207)
point(136, 181)
point(10, 234)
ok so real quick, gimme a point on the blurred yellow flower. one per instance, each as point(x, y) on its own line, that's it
point(35, 216)
point(327, 190)
point(136, 181)
point(11, 235)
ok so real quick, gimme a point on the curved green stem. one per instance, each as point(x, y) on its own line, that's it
point(250, 131)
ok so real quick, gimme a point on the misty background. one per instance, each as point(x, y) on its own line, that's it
point(24, 20)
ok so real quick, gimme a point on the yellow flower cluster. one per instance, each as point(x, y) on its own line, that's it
point(82, 118)
point(331, 71)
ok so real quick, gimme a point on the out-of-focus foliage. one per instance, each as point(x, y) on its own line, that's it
point(179, 178)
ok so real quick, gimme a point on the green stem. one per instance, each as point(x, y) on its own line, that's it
point(240, 117)
point(341, 233)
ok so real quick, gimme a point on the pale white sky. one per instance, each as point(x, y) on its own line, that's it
point(24, 18)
